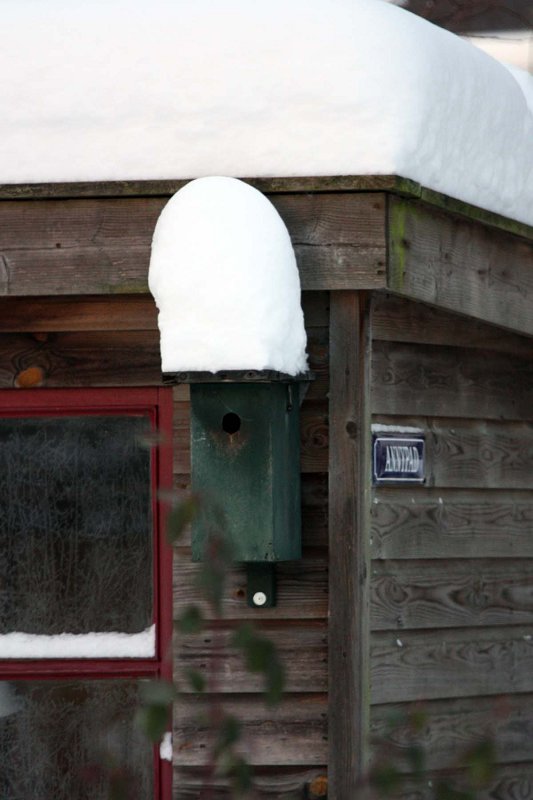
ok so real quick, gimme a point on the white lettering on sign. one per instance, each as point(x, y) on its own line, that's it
point(401, 458)
point(398, 459)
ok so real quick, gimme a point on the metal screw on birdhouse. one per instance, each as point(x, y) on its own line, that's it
point(259, 599)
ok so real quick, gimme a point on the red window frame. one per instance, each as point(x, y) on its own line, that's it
point(156, 403)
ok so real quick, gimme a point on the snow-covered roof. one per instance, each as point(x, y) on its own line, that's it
point(125, 89)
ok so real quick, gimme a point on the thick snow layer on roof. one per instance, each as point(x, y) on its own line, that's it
point(125, 89)
point(224, 277)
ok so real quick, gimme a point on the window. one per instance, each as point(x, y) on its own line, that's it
point(85, 589)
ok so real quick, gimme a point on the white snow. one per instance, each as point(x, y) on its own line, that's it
point(78, 645)
point(124, 89)
point(377, 428)
point(165, 747)
point(224, 277)
point(525, 81)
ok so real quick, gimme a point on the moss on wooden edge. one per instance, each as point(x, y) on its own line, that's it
point(162, 188)
point(397, 245)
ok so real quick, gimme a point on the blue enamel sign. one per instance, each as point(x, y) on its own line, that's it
point(398, 458)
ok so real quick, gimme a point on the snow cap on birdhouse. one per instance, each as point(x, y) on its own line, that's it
point(224, 277)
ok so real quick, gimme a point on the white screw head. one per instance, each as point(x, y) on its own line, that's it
point(259, 599)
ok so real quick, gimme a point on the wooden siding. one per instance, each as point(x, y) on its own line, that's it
point(113, 341)
point(460, 265)
point(86, 246)
point(452, 561)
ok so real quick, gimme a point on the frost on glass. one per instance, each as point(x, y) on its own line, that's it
point(75, 526)
point(72, 740)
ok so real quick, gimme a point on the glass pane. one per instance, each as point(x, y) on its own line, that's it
point(72, 740)
point(76, 525)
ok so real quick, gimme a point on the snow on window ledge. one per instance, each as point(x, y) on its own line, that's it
point(78, 645)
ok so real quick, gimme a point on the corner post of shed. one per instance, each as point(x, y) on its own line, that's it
point(349, 490)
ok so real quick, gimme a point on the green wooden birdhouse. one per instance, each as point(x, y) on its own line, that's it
point(245, 462)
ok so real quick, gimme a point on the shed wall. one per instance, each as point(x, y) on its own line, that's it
point(452, 561)
point(114, 341)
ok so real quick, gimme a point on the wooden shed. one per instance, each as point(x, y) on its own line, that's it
point(419, 316)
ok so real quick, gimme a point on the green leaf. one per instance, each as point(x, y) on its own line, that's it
point(275, 682)
point(261, 655)
point(179, 517)
point(445, 791)
point(153, 721)
point(416, 757)
point(191, 620)
point(386, 778)
point(228, 734)
point(241, 777)
point(480, 761)
point(196, 680)
point(418, 719)
point(161, 692)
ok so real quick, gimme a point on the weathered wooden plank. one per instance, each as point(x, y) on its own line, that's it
point(403, 187)
point(395, 319)
point(92, 246)
point(425, 665)
point(451, 593)
point(314, 490)
point(451, 727)
point(450, 382)
point(507, 783)
point(349, 477)
point(302, 589)
point(318, 358)
point(102, 358)
point(475, 454)
point(293, 733)
point(147, 188)
point(83, 313)
point(315, 306)
point(110, 313)
point(301, 646)
point(451, 524)
point(269, 783)
point(460, 265)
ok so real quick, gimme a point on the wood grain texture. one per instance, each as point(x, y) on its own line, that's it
point(166, 188)
point(81, 313)
point(395, 319)
point(92, 246)
point(403, 187)
point(471, 454)
point(451, 593)
point(508, 783)
point(111, 313)
point(426, 665)
point(269, 783)
point(450, 382)
point(451, 524)
point(349, 477)
point(302, 589)
point(293, 733)
point(103, 358)
point(452, 727)
point(461, 266)
point(301, 646)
